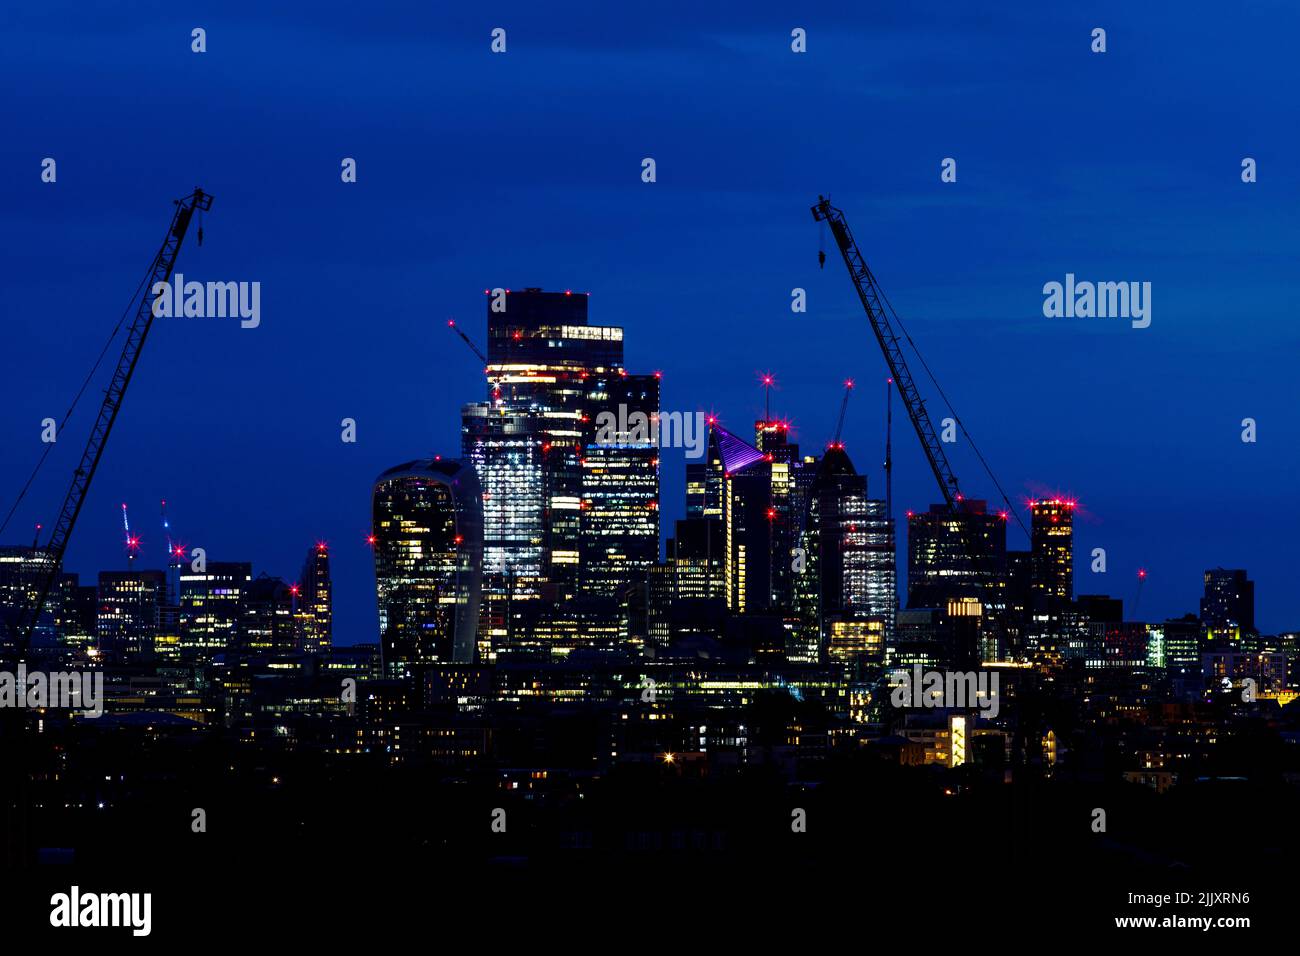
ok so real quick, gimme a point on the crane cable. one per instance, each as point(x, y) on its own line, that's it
point(957, 418)
point(68, 414)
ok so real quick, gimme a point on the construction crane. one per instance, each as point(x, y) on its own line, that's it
point(160, 271)
point(877, 307)
point(167, 530)
point(844, 407)
point(132, 542)
point(869, 293)
point(889, 449)
point(174, 553)
point(451, 324)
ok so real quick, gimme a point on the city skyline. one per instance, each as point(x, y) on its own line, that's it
point(1148, 422)
point(137, 552)
point(686, 449)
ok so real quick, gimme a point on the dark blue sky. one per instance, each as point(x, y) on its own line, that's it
point(479, 170)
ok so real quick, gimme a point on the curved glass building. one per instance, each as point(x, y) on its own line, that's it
point(427, 521)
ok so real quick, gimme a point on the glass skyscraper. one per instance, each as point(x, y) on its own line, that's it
point(427, 535)
point(569, 509)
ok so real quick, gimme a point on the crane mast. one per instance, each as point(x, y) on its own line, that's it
point(160, 270)
point(869, 293)
point(451, 324)
point(844, 407)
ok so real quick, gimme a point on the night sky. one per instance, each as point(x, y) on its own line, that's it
point(478, 170)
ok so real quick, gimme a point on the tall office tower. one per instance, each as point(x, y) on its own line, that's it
point(77, 613)
point(1229, 601)
point(1020, 604)
point(269, 626)
point(20, 573)
point(687, 591)
point(1052, 544)
point(619, 515)
point(849, 543)
point(747, 520)
point(427, 535)
point(956, 555)
point(315, 605)
point(696, 558)
point(940, 563)
point(786, 505)
point(213, 607)
point(550, 375)
point(748, 523)
point(705, 480)
point(127, 620)
point(660, 601)
point(514, 459)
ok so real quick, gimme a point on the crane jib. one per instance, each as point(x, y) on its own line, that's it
point(868, 292)
point(164, 262)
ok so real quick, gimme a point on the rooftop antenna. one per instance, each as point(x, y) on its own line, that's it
point(768, 381)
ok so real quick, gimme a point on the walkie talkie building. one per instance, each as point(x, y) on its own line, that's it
point(428, 541)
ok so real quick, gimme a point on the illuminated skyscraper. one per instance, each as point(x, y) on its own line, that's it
point(1052, 544)
point(786, 509)
point(127, 619)
point(953, 556)
point(619, 524)
point(78, 612)
point(705, 480)
point(514, 457)
point(943, 563)
point(269, 626)
point(566, 512)
point(21, 569)
point(747, 521)
point(315, 604)
point(850, 577)
point(686, 592)
point(212, 607)
point(427, 535)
